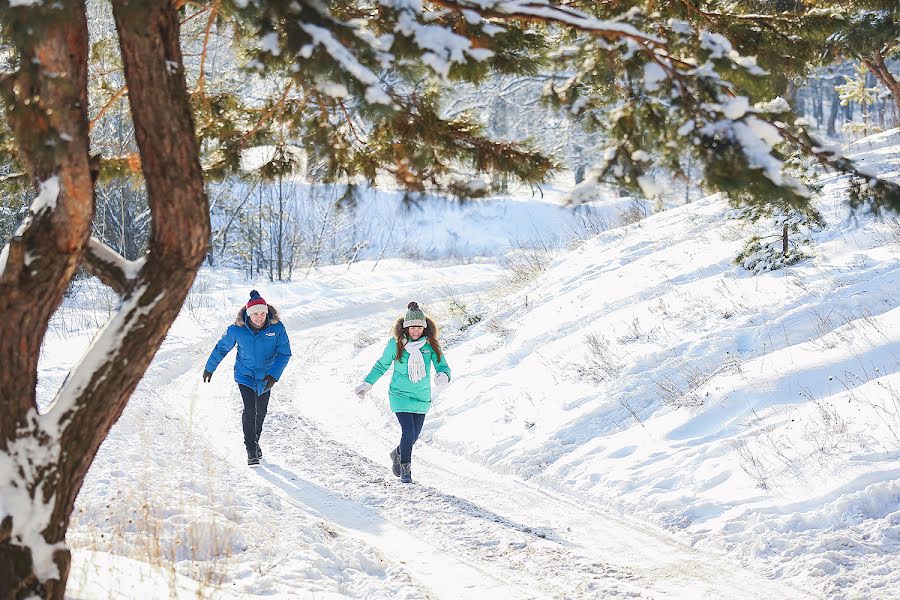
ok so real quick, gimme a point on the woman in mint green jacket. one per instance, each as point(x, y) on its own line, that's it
point(413, 350)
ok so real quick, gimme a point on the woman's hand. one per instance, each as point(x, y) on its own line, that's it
point(362, 389)
point(441, 380)
point(206, 376)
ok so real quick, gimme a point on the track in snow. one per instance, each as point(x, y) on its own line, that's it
point(461, 531)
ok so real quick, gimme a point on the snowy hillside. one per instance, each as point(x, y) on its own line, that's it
point(643, 419)
point(759, 414)
point(381, 223)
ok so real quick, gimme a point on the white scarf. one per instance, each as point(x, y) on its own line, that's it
point(416, 365)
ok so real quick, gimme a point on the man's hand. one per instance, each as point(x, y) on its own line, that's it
point(270, 381)
point(207, 375)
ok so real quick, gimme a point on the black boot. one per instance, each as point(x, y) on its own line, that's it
point(395, 462)
point(258, 451)
point(252, 458)
point(405, 473)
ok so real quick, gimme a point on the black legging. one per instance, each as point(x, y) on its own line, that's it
point(255, 408)
point(411, 423)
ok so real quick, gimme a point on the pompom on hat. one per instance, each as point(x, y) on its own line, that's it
point(415, 316)
point(256, 305)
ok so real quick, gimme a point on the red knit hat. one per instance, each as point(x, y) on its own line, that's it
point(256, 304)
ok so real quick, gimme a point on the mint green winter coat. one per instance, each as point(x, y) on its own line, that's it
point(405, 395)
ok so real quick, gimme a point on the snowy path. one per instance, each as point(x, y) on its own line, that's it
point(462, 530)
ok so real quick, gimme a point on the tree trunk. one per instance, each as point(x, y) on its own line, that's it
point(49, 454)
point(280, 228)
point(818, 109)
point(877, 66)
point(835, 108)
point(42, 107)
point(784, 240)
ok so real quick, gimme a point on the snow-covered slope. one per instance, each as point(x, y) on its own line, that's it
point(750, 423)
point(755, 413)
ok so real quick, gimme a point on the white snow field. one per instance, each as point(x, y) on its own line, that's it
point(644, 419)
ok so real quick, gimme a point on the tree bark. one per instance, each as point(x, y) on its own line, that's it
point(46, 107)
point(834, 109)
point(96, 391)
point(878, 67)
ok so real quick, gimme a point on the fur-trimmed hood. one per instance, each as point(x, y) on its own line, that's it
point(259, 353)
point(242, 315)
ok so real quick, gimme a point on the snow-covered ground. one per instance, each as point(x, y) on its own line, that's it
point(644, 419)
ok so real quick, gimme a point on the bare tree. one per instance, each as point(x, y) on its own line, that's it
point(44, 456)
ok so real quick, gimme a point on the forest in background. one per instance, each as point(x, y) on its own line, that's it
point(275, 214)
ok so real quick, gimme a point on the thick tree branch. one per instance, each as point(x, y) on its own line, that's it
point(97, 390)
point(111, 267)
point(878, 66)
point(46, 101)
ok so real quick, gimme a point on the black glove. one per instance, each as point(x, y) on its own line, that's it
point(207, 376)
point(270, 381)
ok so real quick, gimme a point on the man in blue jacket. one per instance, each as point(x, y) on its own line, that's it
point(263, 353)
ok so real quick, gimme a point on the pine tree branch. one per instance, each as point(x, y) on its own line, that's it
point(269, 113)
point(201, 78)
point(888, 192)
point(350, 122)
point(877, 65)
point(122, 91)
point(538, 11)
point(196, 14)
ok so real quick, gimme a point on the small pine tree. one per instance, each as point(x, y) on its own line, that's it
point(790, 226)
point(855, 89)
point(786, 247)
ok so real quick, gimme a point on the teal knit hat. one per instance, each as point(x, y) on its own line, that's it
point(415, 316)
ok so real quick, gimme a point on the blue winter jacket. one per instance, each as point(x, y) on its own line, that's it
point(259, 353)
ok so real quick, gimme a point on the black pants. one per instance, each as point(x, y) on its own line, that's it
point(255, 408)
point(411, 424)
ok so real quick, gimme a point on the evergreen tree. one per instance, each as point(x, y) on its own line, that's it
point(867, 31)
point(788, 242)
point(359, 86)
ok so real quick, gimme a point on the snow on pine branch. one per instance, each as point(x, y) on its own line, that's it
point(543, 10)
point(442, 46)
point(349, 62)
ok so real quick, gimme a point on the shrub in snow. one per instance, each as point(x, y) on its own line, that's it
point(638, 210)
point(523, 264)
point(602, 361)
point(683, 388)
point(496, 327)
point(759, 255)
point(363, 339)
point(461, 316)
